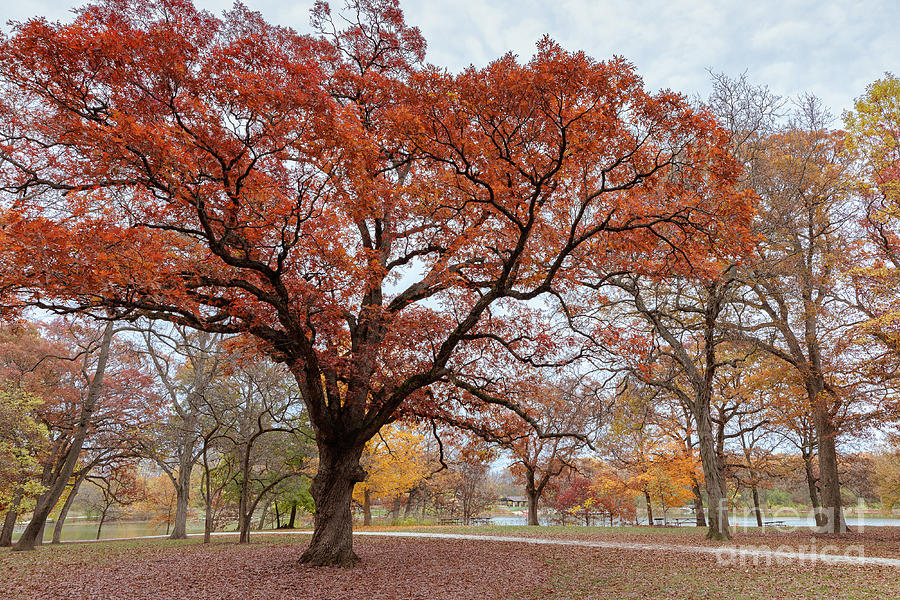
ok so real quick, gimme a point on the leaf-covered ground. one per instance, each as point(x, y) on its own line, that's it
point(407, 568)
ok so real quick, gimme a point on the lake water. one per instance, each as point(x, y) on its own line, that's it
point(858, 523)
point(78, 529)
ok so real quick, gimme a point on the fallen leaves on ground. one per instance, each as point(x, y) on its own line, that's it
point(409, 568)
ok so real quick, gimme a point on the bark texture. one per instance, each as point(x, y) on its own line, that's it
point(332, 490)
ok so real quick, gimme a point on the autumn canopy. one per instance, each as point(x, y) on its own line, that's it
point(367, 219)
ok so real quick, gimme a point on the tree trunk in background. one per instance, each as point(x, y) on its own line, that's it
point(244, 512)
point(756, 509)
point(207, 517)
point(332, 490)
point(698, 505)
point(262, 517)
point(367, 507)
point(811, 486)
point(182, 499)
point(395, 509)
point(293, 516)
point(63, 513)
point(100, 525)
point(413, 493)
point(9, 521)
point(531, 493)
point(32, 534)
point(649, 508)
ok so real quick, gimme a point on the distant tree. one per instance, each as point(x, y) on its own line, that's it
point(185, 366)
point(118, 487)
point(792, 295)
point(465, 487)
point(22, 441)
point(595, 491)
point(887, 476)
point(395, 464)
point(102, 401)
point(266, 434)
point(157, 500)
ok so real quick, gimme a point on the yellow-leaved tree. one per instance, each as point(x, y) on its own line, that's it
point(395, 463)
point(22, 438)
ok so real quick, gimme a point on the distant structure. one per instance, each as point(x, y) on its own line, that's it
point(517, 501)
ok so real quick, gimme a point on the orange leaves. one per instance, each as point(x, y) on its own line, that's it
point(371, 220)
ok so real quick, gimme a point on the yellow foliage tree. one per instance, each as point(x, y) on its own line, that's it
point(395, 463)
point(157, 500)
point(887, 477)
point(21, 439)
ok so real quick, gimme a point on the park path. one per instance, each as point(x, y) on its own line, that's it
point(727, 555)
point(724, 554)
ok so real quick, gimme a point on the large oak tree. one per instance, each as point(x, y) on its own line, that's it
point(359, 214)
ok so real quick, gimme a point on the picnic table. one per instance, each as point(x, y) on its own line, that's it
point(458, 521)
point(676, 522)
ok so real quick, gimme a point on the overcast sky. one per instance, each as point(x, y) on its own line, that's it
point(832, 49)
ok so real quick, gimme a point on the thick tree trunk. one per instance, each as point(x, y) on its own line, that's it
point(533, 509)
point(32, 535)
point(244, 528)
point(531, 493)
point(649, 508)
point(40, 536)
point(182, 500)
point(698, 505)
point(9, 521)
point(413, 493)
point(367, 507)
point(712, 474)
point(828, 476)
point(395, 509)
point(332, 491)
point(64, 512)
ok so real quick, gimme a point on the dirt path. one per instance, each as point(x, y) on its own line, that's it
point(724, 554)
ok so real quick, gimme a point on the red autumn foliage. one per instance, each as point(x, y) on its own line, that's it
point(361, 215)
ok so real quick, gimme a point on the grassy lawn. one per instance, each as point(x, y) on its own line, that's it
point(407, 568)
